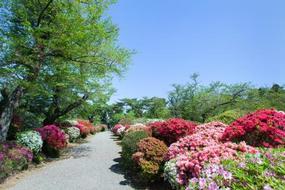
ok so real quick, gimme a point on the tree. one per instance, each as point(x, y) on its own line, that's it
point(59, 52)
point(196, 102)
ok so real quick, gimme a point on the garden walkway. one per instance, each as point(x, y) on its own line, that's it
point(93, 167)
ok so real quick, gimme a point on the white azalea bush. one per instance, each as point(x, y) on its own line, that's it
point(73, 133)
point(30, 139)
point(170, 173)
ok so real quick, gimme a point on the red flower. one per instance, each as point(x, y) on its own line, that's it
point(261, 128)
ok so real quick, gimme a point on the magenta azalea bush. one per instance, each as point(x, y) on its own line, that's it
point(13, 157)
point(53, 136)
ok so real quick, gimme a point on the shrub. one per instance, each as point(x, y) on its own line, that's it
point(139, 127)
point(227, 117)
point(204, 135)
point(54, 139)
point(13, 157)
point(261, 128)
point(30, 139)
point(150, 157)
point(129, 146)
point(119, 130)
point(84, 131)
point(261, 171)
point(190, 164)
point(101, 127)
point(172, 130)
point(73, 132)
point(88, 125)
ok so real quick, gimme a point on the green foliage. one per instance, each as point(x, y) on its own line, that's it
point(60, 70)
point(227, 117)
point(129, 147)
point(258, 171)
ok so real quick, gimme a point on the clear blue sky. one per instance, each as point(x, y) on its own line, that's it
point(222, 40)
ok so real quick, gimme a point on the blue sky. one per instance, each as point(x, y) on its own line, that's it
point(222, 40)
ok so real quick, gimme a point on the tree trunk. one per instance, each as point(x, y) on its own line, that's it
point(8, 105)
point(51, 117)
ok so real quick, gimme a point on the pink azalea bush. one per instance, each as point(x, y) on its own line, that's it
point(190, 164)
point(263, 128)
point(119, 129)
point(204, 135)
point(53, 136)
point(203, 147)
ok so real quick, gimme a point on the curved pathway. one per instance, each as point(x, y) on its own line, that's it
point(93, 167)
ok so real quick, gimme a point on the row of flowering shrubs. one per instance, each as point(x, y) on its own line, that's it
point(246, 154)
point(50, 139)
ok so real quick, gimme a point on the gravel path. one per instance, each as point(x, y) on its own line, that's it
point(93, 167)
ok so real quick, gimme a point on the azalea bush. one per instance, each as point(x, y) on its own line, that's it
point(150, 157)
point(30, 139)
point(204, 135)
point(13, 157)
point(213, 177)
point(54, 139)
point(129, 147)
point(119, 130)
point(172, 130)
point(265, 170)
point(190, 164)
point(73, 132)
point(263, 128)
point(88, 125)
point(84, 131)
point(139, 127)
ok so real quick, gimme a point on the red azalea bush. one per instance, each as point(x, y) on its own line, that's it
point(150, 157)
point(172, 130)
point(53, 136)
point(204, 135)
point(261, 128)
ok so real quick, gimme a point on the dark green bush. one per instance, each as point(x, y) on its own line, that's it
point(129, 146)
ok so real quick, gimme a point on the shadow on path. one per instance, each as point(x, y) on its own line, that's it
point(130, 180)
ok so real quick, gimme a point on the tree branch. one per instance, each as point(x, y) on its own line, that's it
point(42, 12)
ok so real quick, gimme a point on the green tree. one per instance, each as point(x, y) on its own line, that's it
point(58, 52)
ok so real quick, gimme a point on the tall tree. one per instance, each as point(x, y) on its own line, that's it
point(57, 51)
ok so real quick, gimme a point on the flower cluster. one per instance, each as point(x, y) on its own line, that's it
point(88, 125)
point(53, 136)
point(30, 139)
point(213, 177)
point(172, 130)
point(139, 127)
point(261, 128)
point(73, 132)
point(13, 157)
point(150, 156)
point(119, 130)
point(266, 169)
point(84, 131)
point(204, 135)
point(189, 165)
